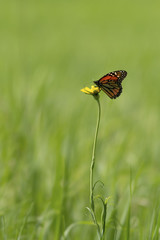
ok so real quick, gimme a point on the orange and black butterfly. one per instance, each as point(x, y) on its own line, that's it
point(111, 83)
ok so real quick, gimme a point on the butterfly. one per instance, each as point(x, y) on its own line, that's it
point(111, 83)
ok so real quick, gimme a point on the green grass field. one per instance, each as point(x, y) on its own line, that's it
point(49, 51)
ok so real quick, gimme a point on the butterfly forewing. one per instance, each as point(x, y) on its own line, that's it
point(111, 83)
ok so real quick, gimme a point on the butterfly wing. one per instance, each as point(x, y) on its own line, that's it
point(112, 89)
point(111, 83)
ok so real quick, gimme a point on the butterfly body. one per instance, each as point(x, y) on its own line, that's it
point(111, 83)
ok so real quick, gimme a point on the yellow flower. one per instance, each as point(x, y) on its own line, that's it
point(91, 91)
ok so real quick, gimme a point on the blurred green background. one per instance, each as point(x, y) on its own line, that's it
point(49, 51)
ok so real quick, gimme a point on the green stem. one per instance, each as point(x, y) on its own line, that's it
point(93, 155)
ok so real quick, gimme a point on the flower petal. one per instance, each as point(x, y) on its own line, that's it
point(94, 90)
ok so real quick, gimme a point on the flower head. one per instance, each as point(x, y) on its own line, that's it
point(94, 90)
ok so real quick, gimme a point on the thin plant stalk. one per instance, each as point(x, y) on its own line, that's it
point(101, 227)
point(93, 155)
